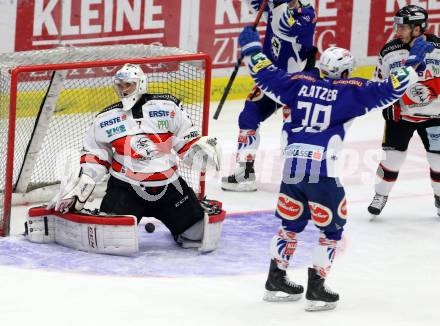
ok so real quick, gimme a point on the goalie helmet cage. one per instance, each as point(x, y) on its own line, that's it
point(49, 98)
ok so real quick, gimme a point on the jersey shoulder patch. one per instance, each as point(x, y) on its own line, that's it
point(434, 39)
point(391, 46)
point(117, 105)
point(163, 97)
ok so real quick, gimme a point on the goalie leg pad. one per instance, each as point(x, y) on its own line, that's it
point(210, 228)
point(106, 234)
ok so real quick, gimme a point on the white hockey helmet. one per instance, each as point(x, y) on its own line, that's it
point(335, 61)
point(129, 83)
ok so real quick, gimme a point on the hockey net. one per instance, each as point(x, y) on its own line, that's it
point(49, 98)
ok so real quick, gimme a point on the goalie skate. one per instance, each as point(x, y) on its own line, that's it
point(243, 180)
point(279, 288)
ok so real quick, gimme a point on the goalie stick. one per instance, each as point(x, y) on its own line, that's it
point(237, 66)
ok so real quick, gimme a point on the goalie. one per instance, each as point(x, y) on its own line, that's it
point(136, 141)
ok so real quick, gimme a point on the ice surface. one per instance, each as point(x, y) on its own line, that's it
point(386, 275)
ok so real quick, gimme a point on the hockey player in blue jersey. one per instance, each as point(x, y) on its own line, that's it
point(288, 43)
point(321, 110)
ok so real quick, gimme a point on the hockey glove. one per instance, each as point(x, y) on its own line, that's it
point(249, 41)
point(418, 52)
point(75, 195)
point(204, 153)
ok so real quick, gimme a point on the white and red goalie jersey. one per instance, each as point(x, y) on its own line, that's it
point(139, 146)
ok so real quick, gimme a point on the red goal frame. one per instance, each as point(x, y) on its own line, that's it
point(5, 221)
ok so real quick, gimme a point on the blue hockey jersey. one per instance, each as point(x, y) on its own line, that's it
point(288, 40)
point(321, 110)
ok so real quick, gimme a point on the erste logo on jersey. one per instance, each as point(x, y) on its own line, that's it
point(113, 121)
point(289, 208)
point(160, 114)
point(306, 151)
point(143, 147)
point(321, 215)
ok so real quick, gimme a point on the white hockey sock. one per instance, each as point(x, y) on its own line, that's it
point(248, 142)
point(323, 255)
point(283, 247)
point(388, 171)
point(434, 164)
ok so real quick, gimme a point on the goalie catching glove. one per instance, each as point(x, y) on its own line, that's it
point(206, 152)
point(75, 194)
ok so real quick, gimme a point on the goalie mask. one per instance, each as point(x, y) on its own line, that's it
point(130, 84)
point(335, 61)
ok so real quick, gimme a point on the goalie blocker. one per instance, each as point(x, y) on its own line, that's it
point(114, 234)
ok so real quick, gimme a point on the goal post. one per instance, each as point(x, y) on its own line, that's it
point(49, 98)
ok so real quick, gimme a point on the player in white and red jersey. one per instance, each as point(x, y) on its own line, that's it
point(418, 110)
point(136, 141)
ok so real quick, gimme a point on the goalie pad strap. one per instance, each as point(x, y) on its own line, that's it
point(99, 234)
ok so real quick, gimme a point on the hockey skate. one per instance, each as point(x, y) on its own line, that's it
point(243, 180)
point(377, 205)
point(437, 204)
point(318, 296)
point(278, 286)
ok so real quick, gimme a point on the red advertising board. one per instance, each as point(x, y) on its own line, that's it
point(333, 27)
point(219, 27)
point(49, 23)
point(214, 29)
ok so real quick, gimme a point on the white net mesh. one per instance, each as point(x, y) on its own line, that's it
point(85, 92)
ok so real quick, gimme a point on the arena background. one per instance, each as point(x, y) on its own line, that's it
point(210, 26)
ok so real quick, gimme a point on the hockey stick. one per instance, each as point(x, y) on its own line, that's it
point(237, 65)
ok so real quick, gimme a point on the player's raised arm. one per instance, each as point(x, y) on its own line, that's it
point(275, 82)
point(398, 81)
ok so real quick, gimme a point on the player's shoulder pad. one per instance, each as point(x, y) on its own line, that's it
point(117, 105)
point(391, 46)
point(162, 97)
point(434, 39)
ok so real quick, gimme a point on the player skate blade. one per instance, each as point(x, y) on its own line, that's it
point(240, 187)
point(277, 296)
point(320, 305)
